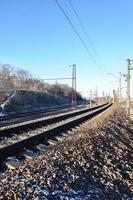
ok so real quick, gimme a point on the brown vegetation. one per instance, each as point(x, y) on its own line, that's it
point(24, 83)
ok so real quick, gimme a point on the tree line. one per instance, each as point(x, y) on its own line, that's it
point(12, 79)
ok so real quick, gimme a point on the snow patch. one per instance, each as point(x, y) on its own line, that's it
point(5, 103)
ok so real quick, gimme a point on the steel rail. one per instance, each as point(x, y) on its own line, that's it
point(22, 117)
point(17, 147)
point(18, 115)
point(18, 128)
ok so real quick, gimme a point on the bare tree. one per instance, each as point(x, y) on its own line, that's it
point(6, 72)
point(20, 79)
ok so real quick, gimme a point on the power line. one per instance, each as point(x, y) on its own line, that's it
point(86, 34)
point(80, 38)
point(74, 29)
point(83, 29)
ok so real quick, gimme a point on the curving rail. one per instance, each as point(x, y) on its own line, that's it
point(68, 120)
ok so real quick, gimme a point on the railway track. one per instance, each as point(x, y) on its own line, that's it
point(22, 117)
point(15, 138)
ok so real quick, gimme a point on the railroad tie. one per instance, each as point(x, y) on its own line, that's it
point(52, 142)
point(60, 138)
point(42, 147)
point(64, 134)
point(12, 164)
point(28, 154)
point(2, 176)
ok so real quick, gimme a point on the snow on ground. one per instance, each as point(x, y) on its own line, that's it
point(95, 162)
point(5, 103)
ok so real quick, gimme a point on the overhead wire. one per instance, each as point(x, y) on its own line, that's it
point(80, 38)
point(74, 29)
point(87, 36)
point(83, 29)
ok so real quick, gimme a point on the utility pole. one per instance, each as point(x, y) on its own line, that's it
point(90, 98)
point(74, 96)
point(73, 78)
point(56, 88)
point(114, 96)
point(103, 97)
point(96, 93)
point(119, 87)
point(128, 77)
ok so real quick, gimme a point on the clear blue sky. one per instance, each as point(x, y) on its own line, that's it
point(35, 35)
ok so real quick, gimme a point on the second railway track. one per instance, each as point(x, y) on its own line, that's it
point(14, 139)
point(22, 117)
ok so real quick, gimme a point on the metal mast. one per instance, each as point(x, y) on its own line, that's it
point(129, 62)
point(74, 96)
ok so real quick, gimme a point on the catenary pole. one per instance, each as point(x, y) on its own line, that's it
point(128, 84)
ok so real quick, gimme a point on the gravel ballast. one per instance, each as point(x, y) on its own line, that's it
point(96, 162)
